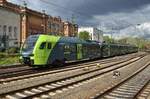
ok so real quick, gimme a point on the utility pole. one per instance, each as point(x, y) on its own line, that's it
point(44, 23)
point(73, 19)
point(73, 24)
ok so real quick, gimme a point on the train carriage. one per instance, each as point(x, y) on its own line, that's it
point(42, 50)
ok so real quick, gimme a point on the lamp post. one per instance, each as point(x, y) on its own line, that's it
point(112, 31)
point(44, 23)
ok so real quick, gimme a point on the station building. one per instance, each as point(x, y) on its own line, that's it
point(18, 22)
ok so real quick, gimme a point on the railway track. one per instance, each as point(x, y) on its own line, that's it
point(49, 87)
point(137, 86)
point(10, 66)
point(13, 71)
point(145, 92)
point(16, 73)
point(69, 68)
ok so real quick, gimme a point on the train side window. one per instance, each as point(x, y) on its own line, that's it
point(43, 45)
point(66, 48)
point(73, 48)
point(49, 45)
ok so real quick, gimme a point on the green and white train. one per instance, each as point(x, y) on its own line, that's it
point(44, 50)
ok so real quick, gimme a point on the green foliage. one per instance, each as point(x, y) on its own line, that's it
point(2, 55)
point(12, 50)
point(84, 35)
point(107, 39)
point(6, 55)
point(123, 41)
point(141, 43)
point(9, 60)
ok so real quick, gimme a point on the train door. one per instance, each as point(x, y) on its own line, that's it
point(47, 52)
point(79, 51)
point(67, 52)
point(42, 53)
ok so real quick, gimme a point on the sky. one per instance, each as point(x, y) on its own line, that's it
point(118, 15)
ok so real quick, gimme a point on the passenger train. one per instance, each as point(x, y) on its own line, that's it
point(44, 50)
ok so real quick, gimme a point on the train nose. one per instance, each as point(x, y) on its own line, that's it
point(27, 58)
point(28, 61)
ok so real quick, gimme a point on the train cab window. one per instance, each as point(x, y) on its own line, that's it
point(43, 45)
point(49, 45)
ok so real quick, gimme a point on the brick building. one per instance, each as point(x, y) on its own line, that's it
point(70, 29)
point(33, 22)
point(55, 26)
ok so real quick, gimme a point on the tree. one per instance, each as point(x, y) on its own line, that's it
point(141, 43)
point(84, 35)
point(107, 39)
point(123, 41)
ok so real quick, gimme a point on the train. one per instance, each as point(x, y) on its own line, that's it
point(46, 50)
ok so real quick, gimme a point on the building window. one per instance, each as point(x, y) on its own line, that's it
point(49, 25)
point(58, 27)
point(4, 29)
point(10, 31)
point(0, 29)
point(15, 32)
point(16, 43)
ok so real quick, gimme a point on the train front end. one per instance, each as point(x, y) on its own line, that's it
point(26, 52)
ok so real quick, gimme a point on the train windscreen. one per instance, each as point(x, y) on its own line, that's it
point(30, 43)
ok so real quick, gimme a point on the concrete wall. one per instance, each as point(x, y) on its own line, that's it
point(9, 29)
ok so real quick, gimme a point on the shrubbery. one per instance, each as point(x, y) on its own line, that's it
point(2, 55)
point(13, 50)
point(9, 52)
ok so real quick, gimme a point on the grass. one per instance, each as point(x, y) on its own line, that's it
point(7, 59)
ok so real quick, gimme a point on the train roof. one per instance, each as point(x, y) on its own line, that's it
point(76, 40)
point(118, 44)
point(68, 39)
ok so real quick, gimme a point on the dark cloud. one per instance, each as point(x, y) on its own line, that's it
point(120, 16)
point(88, 8)
point(85, 10)
point(96, 7)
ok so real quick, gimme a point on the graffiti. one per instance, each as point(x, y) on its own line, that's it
point(8, 35)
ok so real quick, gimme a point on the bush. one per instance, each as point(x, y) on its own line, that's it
point(2, 55)
point(12, 50)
